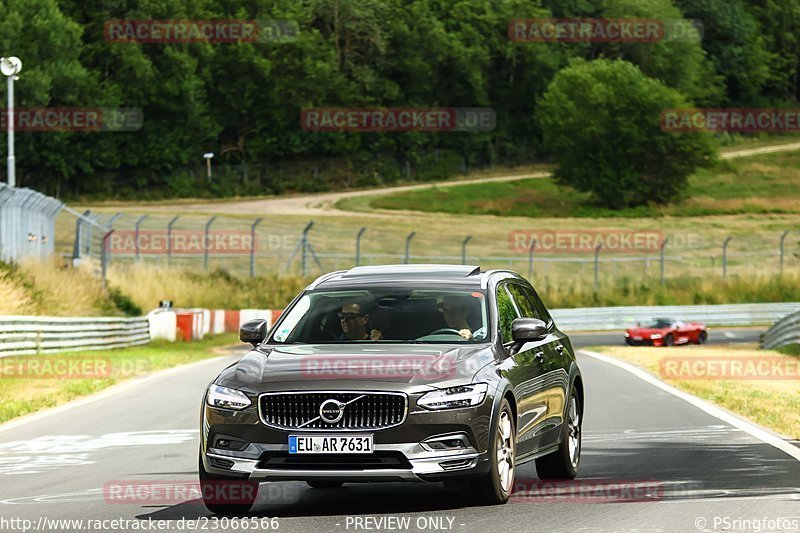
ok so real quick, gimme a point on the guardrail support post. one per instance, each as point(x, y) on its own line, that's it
point(205, 241)
point(358, 244)
point(169, 239)
point(783, 238)
point(597, 267)
point(661, 258)
point(253, 246)
point(408, 245)
point(464, 249)
point(725, 257)
point(136, 234)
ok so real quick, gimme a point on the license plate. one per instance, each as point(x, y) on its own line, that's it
point(330, 444)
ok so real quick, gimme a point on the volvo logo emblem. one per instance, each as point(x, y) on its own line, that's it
point(331, 411)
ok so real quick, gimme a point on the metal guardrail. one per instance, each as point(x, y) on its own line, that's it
point(783, 332)
point(31, 335)
point(613, 318)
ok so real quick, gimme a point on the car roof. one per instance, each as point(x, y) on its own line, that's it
point(468, 276)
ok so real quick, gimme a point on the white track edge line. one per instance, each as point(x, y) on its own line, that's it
point(751, 429)
point(105, 393)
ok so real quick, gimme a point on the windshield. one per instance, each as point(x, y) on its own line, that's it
point(656, 323)
point(386, 315)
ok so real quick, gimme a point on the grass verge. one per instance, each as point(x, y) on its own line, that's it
point(772, 403)
point(21, 396)
point(768, 183)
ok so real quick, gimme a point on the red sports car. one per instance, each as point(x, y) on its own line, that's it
point(666, 332)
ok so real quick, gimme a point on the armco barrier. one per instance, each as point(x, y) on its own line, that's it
point(31, 335)
point(615, 318)
point(783, 332)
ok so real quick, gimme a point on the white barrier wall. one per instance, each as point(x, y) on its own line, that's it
point(163, 324)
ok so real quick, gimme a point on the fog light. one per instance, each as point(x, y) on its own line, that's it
point(447, 442)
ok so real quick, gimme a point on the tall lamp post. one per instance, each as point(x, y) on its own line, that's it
point(10, 67)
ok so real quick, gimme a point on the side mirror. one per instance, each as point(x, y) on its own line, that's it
point(528, 329)
point(253, 331)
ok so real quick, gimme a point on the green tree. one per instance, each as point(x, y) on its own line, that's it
point(733, 42)
point(601, 123)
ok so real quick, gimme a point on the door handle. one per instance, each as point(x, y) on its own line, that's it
point(560, 348)
point(539, 356)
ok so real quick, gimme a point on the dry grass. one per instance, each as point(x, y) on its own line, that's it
point(49, 288)
point(146, 285)
point(771, 403)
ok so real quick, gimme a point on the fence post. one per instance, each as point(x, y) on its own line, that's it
point(136, 234)
point(725, 257)
point(253, 246)
point(783, 238)
point(104, 253)
point(113, 219)
point(408, 244)
point(464, 249)
point(358, 244)
point(597, 267)
point(530, 259)
point(205, 241)
point(76, 248)
point(169, 239)
point(661, 254)
point(304, 249)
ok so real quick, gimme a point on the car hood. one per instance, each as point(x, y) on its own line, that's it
point(333, 366)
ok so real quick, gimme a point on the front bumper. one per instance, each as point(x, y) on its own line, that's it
point(264, 456)
point(420, 465)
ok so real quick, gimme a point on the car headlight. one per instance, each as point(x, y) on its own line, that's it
point(226, 398)
point(627, 334)
point(655, 336)
point(454, 397)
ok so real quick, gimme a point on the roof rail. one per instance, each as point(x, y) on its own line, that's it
point(322, 278)
point(490, 273)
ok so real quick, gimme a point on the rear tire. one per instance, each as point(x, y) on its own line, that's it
point(702, 337)
point(245, 493)
point(496, 486)
point(563, 463)
point(669, 340)
point(324, 484)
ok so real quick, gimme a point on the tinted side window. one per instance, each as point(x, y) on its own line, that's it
point(506, 313)
point(538, 305)
point(523, 303)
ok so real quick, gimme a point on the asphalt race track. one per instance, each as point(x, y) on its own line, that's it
point(715, 336)
point(652, 462)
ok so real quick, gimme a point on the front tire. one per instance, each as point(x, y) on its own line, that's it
point(563, 463)
point(702, 337)
point(496, 486)
point(242, 493)
point(669, 340)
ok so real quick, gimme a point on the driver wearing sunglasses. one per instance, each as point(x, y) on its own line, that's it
point(355, 324)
